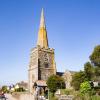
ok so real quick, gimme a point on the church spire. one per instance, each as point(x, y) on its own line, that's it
point(42, 34)
point(42, 20)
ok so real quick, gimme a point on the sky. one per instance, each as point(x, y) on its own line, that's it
point(73, 28)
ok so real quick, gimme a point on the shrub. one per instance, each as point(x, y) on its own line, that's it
point(85, 87)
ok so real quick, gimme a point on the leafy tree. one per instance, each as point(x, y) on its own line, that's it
point(77, 79)
point(95, 60)
point(97, 71)
point(4, 89)
point(55, 82)
point(85, 87)
point(95, 56)
point(89, 70)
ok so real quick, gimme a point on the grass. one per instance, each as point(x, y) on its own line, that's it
point(78, 96)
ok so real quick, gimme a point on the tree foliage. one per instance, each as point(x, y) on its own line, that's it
point(77, 79)
point(85, 87)
point(89, 70)
point(95, 56)
point(55, 82)
point(95, 60)
point(97, 71)
point(4, 89)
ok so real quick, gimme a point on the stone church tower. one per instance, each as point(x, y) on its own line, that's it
point(42, 62)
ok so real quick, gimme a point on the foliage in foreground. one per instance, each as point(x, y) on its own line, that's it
point(86, 97)
point(85, 87)
point(90, 95)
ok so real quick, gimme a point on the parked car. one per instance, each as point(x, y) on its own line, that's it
point(2, 96)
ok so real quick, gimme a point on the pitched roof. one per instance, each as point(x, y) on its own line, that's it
point(41, 83)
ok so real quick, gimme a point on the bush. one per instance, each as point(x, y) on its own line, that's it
point(19, 90)
point(87, 96)
point(85, 87)
point(4, 89)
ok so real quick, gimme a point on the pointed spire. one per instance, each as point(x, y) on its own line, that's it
point(42, 34)
point(42, 21)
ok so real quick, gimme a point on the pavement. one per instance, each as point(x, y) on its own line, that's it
point(9, 97)
point(21, 97)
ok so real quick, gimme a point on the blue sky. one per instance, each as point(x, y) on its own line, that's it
point(73, 28)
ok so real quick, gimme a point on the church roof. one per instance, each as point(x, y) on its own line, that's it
point(60, 73)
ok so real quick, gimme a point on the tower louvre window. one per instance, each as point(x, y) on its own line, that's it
point(46, 65)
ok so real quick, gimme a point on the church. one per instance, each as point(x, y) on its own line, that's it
point(42, 59)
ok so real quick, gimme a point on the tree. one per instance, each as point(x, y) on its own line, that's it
point(89, 70)
point(95, 56)
point(97, 71)
point(85, 87)
point(95, 60)
point(55, 82)
point(77, 79)
point(4, 89)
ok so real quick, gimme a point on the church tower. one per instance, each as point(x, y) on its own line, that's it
point(42, 62)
